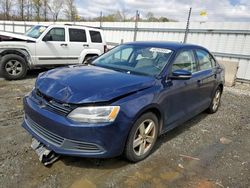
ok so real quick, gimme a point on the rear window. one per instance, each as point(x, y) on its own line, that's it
point(95, 36)
point(77, 35)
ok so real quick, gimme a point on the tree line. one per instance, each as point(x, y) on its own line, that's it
point(122, 16)
point(38, 10)
point(60, 10)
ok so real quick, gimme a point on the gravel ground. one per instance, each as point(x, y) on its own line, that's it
point(217, 148)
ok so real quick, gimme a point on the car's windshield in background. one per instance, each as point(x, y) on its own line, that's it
point(36, 31)
point(135, 59)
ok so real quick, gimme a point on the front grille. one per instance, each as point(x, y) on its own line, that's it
point(59, 141)
point(71, 144)
point(44, 133)
point(50, 104)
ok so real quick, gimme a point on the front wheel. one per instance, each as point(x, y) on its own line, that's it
point(13, 67)
point(142, 138)
point(215, 101)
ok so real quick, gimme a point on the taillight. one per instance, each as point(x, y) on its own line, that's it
point(105, 48)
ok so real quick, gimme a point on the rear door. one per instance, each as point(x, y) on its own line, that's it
point(207, 77)
point(96, 39)
point(77, 43)
point(54, 50)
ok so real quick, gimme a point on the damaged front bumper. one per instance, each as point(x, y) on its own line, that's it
point(65, 137)
point(45, 155)
point(59, 144)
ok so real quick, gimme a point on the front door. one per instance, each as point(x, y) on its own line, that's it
point(53, 48)
point(180, 95)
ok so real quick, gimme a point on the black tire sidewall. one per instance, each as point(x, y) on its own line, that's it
point(129, 152)
point(6, 59)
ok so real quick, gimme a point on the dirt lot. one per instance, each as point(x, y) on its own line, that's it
point(220, 144)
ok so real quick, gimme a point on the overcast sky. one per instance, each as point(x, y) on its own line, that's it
point(217, 10)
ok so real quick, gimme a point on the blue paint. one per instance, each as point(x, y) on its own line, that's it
point(176, 100)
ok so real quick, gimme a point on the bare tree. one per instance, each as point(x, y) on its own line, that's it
point(150, 17)
point(55, 7)
point(37, 5)
point(45, 9)
point(124, 13)
point(21, 4)
point(70, 10)
point(29, 8)
point(6, 6)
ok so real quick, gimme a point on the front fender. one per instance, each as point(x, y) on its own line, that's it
point(19, 51)
point(133, 106)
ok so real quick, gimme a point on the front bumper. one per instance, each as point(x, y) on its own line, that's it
point(66, 137)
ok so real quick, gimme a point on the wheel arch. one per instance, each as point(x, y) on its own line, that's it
point(89, 52)
point(221, 86)
point(21, 52)
point(156, 110)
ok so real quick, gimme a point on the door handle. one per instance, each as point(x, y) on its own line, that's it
point(64, 44)
point(199, 82)
point(85, 45)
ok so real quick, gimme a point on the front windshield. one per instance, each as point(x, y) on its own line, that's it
point(36, 31)
point(135, 59)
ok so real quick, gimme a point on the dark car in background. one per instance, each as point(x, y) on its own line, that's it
point(123, 100)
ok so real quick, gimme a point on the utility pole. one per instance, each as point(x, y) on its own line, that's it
point(137, 17)
point(187, 27)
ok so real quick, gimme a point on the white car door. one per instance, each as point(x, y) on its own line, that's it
point(77, 43)
point(53, 48)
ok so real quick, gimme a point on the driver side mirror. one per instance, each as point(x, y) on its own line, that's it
point(181, 75)
point(47, 38)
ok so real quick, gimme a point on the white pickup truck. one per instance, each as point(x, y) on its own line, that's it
point(48, 46)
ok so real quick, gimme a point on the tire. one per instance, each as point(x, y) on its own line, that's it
point(139, 143)
point(13, 67)
point(87, 57)
point(215, 103)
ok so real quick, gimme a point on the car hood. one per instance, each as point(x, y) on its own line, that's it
point(7, 36)
point(90, 84)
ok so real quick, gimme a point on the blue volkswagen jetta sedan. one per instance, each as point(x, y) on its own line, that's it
point(123, 100)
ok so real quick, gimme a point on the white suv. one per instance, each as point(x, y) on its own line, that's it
point(48, 46)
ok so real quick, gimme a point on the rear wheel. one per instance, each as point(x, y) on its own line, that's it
point(89, 58)
point(142, 138)
point(13, 67)
point(215, 102)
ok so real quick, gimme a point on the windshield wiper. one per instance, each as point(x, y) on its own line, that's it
point(138, 73)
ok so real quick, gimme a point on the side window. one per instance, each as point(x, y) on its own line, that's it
point(95, 36)
point(56, 34)
point(77, 35)
point(204, 59)
point(123, 55)
point(213, 61)
point(185, 61)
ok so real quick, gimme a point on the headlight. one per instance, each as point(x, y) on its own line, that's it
point(94, 114)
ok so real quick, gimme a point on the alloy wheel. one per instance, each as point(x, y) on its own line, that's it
point(216, 100)
point(13, 67)
point(144, 137)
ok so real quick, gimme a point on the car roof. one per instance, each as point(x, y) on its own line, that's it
point(76, 26)
point(71, 26)
point(168, 45)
